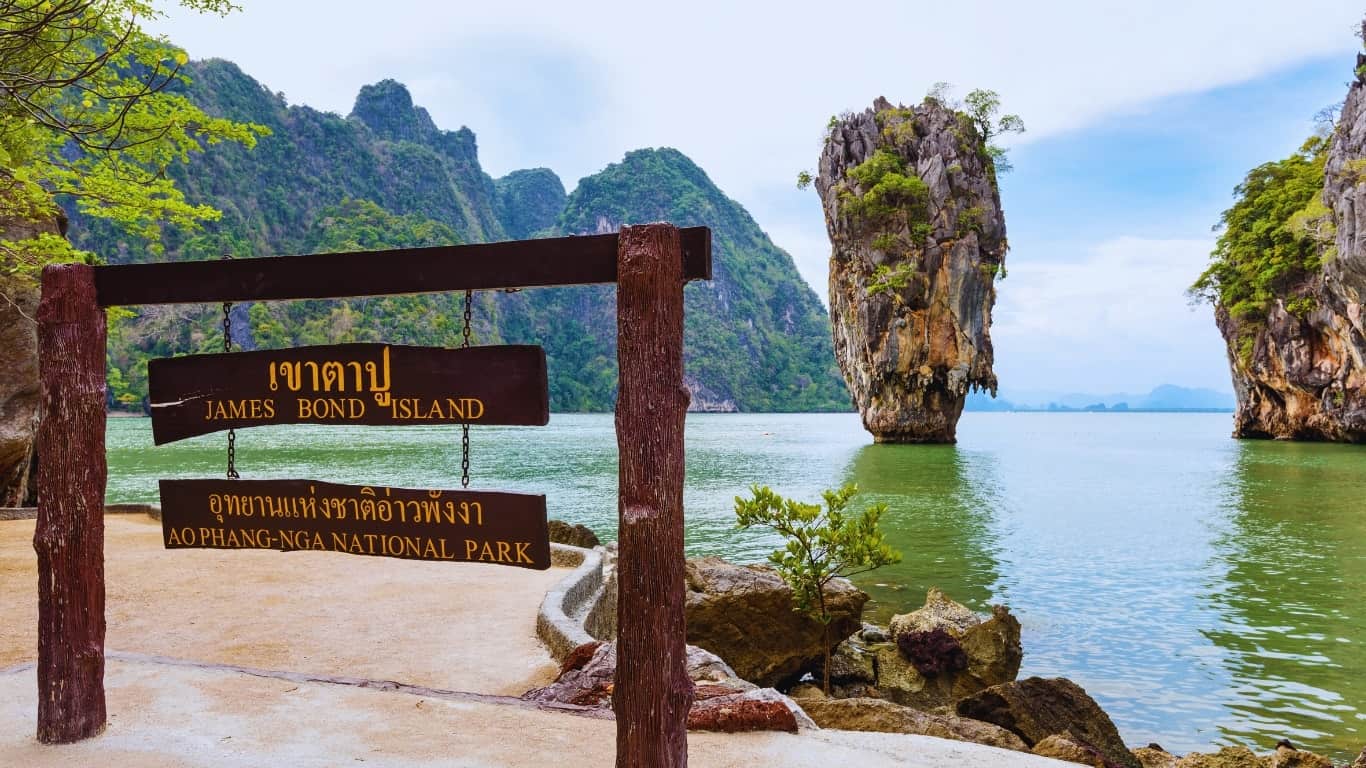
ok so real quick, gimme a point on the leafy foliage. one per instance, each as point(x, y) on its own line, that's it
point(881, 195)
point(90, 116)
point(1274, 237)
point(822, 544)
point(983, 107)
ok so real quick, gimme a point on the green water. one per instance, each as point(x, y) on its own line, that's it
point(1205, 590)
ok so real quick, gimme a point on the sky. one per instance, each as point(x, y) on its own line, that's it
point(1141, 118)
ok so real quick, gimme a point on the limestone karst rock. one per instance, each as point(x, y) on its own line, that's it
point(20, 392)
point(1302, 374)
point(917, 239)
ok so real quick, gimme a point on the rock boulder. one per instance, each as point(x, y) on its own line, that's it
point(1036, 708)
point(944, 652)
point(575, 534)
point(721, 700)
point(883, 716)
point(20, 393)
point(744, 614)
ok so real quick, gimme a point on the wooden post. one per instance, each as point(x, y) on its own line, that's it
point(652, 693)
point(69, 537)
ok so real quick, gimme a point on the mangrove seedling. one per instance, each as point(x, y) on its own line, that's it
point(822, 544)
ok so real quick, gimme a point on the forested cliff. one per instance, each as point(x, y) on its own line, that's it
point(1288, 282)
point(385, 176)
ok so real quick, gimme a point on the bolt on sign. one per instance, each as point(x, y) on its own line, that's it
point(373, 384)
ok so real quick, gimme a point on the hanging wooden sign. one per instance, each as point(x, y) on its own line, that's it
point(382, 384)
point(289, 515)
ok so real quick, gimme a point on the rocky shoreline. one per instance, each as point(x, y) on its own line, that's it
point(940, 670)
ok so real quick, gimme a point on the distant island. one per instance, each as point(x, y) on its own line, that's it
point(1168, 398)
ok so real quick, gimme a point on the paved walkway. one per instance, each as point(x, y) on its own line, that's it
point(196, 636)
point(467, 627)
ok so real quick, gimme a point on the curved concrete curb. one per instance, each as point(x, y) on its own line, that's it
point(559, 623)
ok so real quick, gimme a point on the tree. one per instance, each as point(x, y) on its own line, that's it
point(822, 545)
point(981, 107)
point(90, 114)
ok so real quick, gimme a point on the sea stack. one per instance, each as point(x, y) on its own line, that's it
point(1299, 360)
point(917, 240)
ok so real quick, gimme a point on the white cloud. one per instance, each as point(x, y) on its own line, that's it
point(744, 88)
point(1115, 319)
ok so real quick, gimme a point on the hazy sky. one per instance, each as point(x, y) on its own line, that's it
point(1142, 117)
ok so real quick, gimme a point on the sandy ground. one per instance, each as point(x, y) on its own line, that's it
point(458, 628)
point(172, 716)
point(465, 626)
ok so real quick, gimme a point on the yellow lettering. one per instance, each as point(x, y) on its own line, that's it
point(504, 552)
point(522, 556)
point(269, 407)
point(470, 546)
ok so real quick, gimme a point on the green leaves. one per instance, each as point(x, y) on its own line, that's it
point(822, 542)
point(91, 115)
point(1276, 234)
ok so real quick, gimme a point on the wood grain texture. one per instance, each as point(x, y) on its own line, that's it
point(652, 693)
point(482, 266)
point(69, 534)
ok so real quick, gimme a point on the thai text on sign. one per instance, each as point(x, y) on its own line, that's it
point(463, 526)
point(384, 384)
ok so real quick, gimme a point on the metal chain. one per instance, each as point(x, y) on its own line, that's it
point(465, 427)
point(232, 433)
point(227, 347)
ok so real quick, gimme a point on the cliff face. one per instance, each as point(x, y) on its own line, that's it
point(1302, 375)
point(754, 335)
point(20, 389)
point(917, 237)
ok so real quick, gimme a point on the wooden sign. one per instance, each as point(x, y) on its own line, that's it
point(290, 515)
point(384, 384)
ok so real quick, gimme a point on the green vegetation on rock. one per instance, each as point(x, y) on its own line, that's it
point(1274, 239)
point(386, 177)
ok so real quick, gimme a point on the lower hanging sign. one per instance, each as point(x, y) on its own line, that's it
point(289, 515)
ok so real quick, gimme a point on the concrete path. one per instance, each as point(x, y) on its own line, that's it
point(462, 626)
point(195, 634)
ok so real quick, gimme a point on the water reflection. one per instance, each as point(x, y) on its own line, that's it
point(941, 505)
point(1288, 579)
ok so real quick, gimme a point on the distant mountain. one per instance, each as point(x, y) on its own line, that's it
point(1167, 397)
point(757, 337)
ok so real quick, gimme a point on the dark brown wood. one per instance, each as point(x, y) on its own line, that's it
point(69, 534)
point(653, 693)
point(514, 264)
point(387, 384)
point(290, 515)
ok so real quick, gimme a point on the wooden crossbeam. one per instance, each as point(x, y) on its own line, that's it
point(482, 266)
